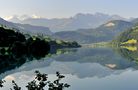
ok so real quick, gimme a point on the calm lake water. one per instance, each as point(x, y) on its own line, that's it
point(84, 68)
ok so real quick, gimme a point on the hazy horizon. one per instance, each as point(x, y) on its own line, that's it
point(38, 16)
point(64, 8)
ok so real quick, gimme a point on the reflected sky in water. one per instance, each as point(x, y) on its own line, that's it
point(84, 68)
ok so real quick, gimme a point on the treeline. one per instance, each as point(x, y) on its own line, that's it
point(16, 42)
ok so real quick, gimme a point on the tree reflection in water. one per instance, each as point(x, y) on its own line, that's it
point(11, 60)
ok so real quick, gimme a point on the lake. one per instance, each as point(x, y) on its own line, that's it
point(84, 69)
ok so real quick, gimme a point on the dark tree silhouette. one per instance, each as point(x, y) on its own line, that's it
point(40, 82)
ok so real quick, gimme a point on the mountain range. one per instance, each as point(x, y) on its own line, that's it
point(26, 28)
point(103, 33)
point(78, 21)
point(83, 28)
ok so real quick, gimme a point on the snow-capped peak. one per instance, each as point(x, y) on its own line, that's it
point(21, 18)
point(110, 24)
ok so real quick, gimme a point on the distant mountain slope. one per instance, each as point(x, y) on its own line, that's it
point(114, 27)
point(26, 28)
point(105, 32)
point(73, 23)
point(134, 20)
point(74, 36)
point(33, 29)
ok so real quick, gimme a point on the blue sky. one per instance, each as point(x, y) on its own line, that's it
point(67, 8)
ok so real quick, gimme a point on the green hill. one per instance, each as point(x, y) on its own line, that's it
point(104, 33)
point(128, 37)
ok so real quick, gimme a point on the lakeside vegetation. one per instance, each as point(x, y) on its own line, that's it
point(40, 82)
point(16, 42)
point(127, 38)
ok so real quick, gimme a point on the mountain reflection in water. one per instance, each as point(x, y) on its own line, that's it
point(82, 63)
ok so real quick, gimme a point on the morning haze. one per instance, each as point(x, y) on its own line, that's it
point(68, 45)
point(67, 8)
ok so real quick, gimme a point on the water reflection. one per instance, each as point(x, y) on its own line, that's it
point(95, 66)
point(92, 61)
point(11, 60)
point(129, 52)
